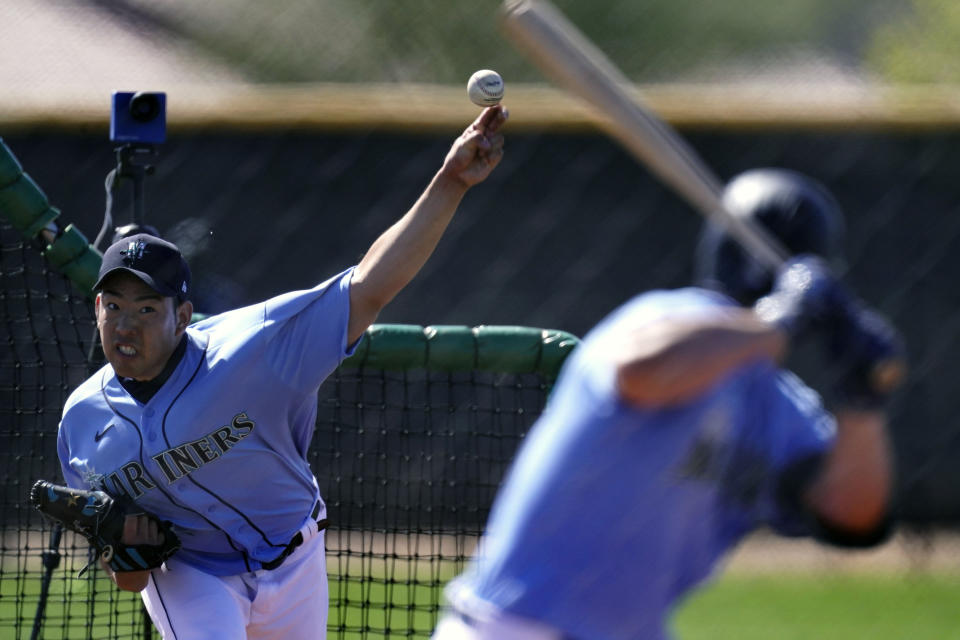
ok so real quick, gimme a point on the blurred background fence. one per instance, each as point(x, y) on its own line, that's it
point(299, 130)
point(567, 228)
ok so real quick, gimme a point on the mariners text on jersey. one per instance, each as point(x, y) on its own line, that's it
point(181, 460)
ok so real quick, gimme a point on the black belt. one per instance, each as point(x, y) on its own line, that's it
point(295, 541)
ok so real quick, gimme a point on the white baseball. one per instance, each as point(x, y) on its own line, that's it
point(485, 88)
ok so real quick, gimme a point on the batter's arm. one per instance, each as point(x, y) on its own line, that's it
point(671, 362)
point(853, 489)
point(400, 252)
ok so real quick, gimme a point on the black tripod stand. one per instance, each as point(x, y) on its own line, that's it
point(132, 165)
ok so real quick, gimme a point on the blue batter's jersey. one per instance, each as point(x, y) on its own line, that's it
point(220, 449)
point(610, 514)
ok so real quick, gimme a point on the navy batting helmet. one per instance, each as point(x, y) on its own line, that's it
point(792, 207)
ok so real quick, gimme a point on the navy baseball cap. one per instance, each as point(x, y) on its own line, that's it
point(155, 261)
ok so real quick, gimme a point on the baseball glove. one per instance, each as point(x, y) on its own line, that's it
point(99, 518)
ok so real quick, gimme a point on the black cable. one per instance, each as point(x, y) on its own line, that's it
point(109, 185)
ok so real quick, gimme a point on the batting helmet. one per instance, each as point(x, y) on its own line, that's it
point(792, 207)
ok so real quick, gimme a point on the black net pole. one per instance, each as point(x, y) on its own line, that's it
point(51, 560)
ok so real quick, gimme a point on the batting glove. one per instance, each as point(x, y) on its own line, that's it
point(806, 296)
point(871, 355)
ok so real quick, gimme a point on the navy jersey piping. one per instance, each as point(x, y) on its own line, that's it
point(193, 481)
point(159, 486)
point(163, 607)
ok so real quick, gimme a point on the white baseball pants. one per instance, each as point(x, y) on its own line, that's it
point(289, 602)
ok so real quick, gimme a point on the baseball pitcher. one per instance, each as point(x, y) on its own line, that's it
point(185, 455)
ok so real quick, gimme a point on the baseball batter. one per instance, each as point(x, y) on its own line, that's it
point(207, 426)
point(672, 433)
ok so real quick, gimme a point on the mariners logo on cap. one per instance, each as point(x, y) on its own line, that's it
point(133, 252)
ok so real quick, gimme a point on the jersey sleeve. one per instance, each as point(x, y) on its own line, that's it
point(805, 451)
point(799, 432)
point(298, 337)
point(605, 342)
point(306, 332)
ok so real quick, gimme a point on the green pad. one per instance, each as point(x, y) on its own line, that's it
point(75, 257)
point(40, 222)
point(10, 168)
point(83, 270)
point(391, 346)
point(450, 348)
point(453, 348)
point(25, 205)
point(66, 248)
point(506, 348)
point(556, 346)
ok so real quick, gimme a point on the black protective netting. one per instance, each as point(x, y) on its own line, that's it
point(48, 334)
point(567, 228)
point(408, 463)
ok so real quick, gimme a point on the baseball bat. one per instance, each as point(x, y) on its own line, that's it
point(567, 57)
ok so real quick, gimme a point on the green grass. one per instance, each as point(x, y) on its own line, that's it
point(824, 607)
point(789, 606)
point(736, 607)
point(115, 614)
point(373, 608)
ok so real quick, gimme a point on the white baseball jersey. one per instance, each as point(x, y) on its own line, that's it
point(220, 450)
